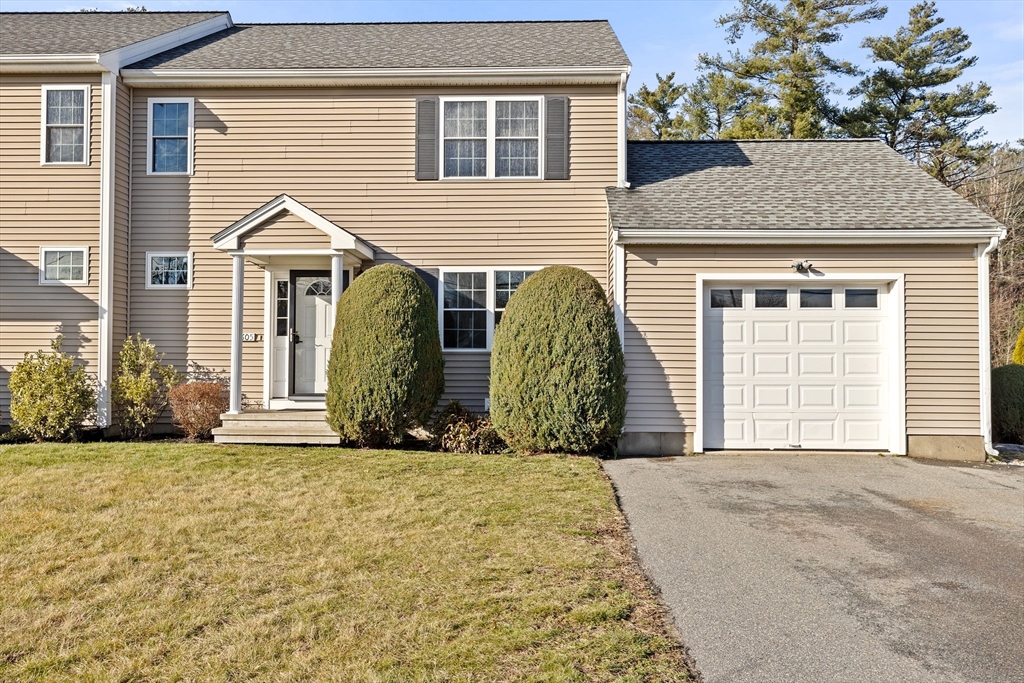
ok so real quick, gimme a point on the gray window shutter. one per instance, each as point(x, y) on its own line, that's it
point(430, 276)
point(427, 136)
point(556, 138)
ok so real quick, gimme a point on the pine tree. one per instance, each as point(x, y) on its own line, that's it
point(720, 106)
point(903, 102)
point(650, 113)
point(788, 61)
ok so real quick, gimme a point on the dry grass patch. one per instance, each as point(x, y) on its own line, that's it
point(173, 562)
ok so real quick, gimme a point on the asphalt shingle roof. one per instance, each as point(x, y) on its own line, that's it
point(783, 184)
point(509, 44)
point(77, 33)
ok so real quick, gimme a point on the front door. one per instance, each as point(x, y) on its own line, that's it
point(313, 326)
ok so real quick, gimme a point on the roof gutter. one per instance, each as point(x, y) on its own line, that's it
point(355, 77)
point(822, 236)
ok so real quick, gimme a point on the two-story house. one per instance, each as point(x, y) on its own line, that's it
point(215, 187)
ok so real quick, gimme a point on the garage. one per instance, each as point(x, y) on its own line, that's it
point(802, 365)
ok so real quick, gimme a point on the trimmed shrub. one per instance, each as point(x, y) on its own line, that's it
point(1008, 403)
point(139, 387)
point(557, 370)
point(196, 407)
point(1018, 350)
point(458, 429)
point(50, 397)
point(386, 372)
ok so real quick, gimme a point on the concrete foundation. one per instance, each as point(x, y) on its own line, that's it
point(947, 447)
point(656, 443)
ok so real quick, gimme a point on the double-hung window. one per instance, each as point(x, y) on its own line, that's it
point(472, 303)
point(63, 265)
point(169, 270)
point(491, 137)
point(170, 135)
point(65, 119)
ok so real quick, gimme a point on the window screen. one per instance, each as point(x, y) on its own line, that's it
point(465, 139)
point(517, 138)
point(65, 126)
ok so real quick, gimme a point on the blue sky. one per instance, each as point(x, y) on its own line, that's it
point(658, 36)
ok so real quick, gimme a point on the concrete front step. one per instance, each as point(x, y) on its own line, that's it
point(276, 427)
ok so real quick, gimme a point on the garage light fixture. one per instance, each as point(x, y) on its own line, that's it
point(803, 266)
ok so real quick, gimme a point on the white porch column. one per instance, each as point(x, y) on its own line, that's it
point(336, 280)
point(237, 299)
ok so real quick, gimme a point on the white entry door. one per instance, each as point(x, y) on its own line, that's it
point(796, 366)
point(314, 327)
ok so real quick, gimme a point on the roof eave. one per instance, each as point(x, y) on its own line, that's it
point(13, 64)
point(807, 236)
point(370, 77)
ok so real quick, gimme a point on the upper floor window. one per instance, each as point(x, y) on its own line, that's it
point(170, 133)
point(491, 137)
point(65, 122)
point(64, 265)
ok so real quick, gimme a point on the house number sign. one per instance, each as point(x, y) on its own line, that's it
point(251, 336)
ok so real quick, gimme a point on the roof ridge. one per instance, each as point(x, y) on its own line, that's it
point(121, 13)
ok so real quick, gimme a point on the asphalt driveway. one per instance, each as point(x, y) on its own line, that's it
point(834, 568)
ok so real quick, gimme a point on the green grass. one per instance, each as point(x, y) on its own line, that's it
point(178, 562)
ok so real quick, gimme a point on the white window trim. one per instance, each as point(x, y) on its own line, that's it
point(490, 100)
point(489, 270)
point(191, 102)
point(897, 338)
point(42, 265)
point(149, 268)
point(87, 123)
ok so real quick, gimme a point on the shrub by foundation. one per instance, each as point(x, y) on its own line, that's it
point(50, 397)
point(196, 407)
point(139, 387)
point(557, 370)
point(457, 429)
point(1008, 403)
point(386, 372)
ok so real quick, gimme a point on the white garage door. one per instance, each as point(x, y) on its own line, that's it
point(796, 366)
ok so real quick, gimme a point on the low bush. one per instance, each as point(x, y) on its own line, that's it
point(1008, 404)
point(139, 387)
point(196, 407)
point(50, 397)
point(386, 371)
point(457, 429)
point(557, 370)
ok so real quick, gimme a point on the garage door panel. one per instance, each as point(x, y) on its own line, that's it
point(814, 332)
point(800, 376)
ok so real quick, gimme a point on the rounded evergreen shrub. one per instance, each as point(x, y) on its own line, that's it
point(50, 397)
point(1008, 403)
point(557, 371)
point(1018, 349)
point(386, 372)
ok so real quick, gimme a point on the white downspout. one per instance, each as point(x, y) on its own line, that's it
point(105, 350)
point(621, 100)
point(984, 342)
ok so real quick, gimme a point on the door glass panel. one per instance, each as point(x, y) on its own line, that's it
point(726, 298)
point(815, 298)
point(770, 298)
point(862, 298)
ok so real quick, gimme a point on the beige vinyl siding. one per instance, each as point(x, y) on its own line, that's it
point(122, 202)
point(286, 231)
point(44, 205)
point(348, 154)
point(941, 305)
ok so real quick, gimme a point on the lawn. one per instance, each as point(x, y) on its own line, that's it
point(178, 562)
